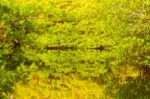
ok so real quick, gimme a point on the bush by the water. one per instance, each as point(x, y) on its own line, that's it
point(53, 41)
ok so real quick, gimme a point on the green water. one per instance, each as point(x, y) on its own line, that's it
point(100, 67)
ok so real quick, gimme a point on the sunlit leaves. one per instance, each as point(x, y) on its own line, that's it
point(29, 27)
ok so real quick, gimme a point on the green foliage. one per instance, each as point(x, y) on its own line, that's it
point(6, 82)
point(109, 43)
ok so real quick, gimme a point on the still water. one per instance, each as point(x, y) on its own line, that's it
point(98, 71)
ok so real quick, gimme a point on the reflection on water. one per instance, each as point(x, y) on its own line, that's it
point(100, 67)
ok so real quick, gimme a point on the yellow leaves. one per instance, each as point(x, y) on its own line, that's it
point(82, 24)
point(2, 26)
point(3, 34)
point(77, 89)
point(2, 37)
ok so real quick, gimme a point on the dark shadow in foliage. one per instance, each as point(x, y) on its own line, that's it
point(137, 88)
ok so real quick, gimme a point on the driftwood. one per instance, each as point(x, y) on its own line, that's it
point(59, 47)
point(102, 48)
point(65, 47)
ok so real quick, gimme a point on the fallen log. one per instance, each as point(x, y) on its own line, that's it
point(102, 48)
point(59, 47)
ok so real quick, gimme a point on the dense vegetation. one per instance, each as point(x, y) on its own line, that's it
point(75, 48)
